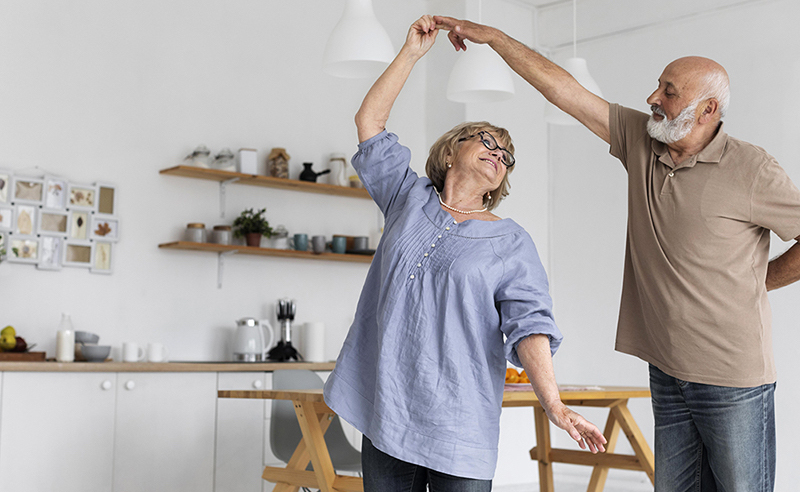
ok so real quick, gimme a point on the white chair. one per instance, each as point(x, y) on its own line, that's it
point(285, 433)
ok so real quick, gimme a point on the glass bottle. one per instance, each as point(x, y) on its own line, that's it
point(65, 340)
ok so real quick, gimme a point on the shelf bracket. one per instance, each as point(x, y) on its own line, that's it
point(222, 185)
point(221, 263)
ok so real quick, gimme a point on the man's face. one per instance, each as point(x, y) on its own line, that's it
point(673, 106)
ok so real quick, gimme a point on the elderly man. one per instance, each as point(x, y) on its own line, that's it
point(701, 205)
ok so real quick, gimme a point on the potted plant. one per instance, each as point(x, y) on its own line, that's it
point(252, 225)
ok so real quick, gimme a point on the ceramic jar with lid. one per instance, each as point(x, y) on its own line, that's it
point(280, 238)
point(221, 234)
point(195, 232)
point(200, 157)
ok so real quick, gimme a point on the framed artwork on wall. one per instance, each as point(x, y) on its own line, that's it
point(26, 223)
point(53, 222)
point(79, 225)
point(23, 249)
point(105, 228)
point(5, 186)
point(51, 253)
point(103, 255)
point(55, 192)
point(3, 245)
point(7, 214)
point(27, 190)
point(106, 198)
point(77, 254)
point(81, 197)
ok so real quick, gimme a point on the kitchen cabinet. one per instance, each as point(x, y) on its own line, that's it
point(165, 432)
point(242, 426)
point(57, 431)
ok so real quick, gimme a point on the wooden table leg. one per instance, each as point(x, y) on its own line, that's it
point(637, 440)
point(600, 473)
point(314, 435)
point(543, 449)
point(301, 456)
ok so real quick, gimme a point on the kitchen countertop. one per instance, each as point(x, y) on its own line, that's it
point(199, 366)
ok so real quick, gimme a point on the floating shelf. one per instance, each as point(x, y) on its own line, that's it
point(250, 250)
point(264, 181)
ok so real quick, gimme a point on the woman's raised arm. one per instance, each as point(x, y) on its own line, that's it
point(371, 117)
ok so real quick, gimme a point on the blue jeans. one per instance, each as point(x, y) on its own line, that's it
point(712, 438)
point(383, 473)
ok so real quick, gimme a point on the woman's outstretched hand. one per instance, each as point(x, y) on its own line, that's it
point(585, 433)
point(421, 35)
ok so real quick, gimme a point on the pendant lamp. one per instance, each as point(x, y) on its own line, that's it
point(359, 46)
point(480, 75)
point(578, 68)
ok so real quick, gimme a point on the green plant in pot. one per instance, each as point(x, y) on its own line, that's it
point(252, 225)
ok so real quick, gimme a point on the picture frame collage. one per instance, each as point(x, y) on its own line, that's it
point(52, 222)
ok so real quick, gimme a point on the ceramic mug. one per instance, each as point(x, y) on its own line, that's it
point(318, 244)
point(360, 243)
point(132, 352)
point(301, 242)
point(339, 244)
point(157, 352)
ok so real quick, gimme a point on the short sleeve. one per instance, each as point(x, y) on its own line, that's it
point(625, 130)
point(776, 201)
point(382, 165)
point(523, 297)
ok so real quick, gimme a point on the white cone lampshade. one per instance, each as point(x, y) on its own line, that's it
point(578, 68)
point(359, 46)
point(480, 75)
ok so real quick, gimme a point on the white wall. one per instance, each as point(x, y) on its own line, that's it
point(116, 91)
point(757, 45)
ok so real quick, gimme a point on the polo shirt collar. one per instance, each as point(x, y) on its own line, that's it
point(711, 154)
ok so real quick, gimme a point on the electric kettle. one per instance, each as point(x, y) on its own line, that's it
point(250, 344)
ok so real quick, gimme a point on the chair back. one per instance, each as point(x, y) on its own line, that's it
point(285, 433)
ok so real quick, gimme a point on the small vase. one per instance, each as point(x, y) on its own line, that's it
point(253, 239)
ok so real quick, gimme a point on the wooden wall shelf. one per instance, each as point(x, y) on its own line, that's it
point(265, 181)
point(250, 250)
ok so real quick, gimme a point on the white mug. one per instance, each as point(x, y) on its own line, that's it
point(157, 352)
point(132, 352)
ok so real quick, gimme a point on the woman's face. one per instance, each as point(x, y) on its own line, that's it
point(476, 161)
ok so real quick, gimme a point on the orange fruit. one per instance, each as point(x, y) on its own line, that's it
point(523, 378)
point(511, 375)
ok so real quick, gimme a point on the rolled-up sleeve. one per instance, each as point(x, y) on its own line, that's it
point(524, 300)
point(382, 164)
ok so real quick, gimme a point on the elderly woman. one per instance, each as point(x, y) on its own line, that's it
point(453, 291)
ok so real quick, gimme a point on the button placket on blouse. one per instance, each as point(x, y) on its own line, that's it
point(433, 245)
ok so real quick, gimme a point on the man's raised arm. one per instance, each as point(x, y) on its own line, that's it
point(555, 83)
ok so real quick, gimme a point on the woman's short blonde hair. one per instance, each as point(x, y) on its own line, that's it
point(447, 145)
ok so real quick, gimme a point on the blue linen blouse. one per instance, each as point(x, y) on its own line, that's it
point(422, 369)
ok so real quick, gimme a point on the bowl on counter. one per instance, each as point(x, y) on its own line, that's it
point(95, 353)
point(86, 337)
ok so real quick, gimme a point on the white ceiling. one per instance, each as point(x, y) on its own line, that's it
point(599, 18)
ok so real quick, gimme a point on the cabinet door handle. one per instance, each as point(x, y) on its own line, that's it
point(257, 384)
point(129, 385)
point(106, 385)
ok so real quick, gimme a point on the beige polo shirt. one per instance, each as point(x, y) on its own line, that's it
point(694, 300)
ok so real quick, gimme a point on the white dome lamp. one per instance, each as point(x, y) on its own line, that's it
point(359, 46)
point(480, 75)
point(578, 68)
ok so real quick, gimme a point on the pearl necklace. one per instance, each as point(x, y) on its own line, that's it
point(465, 212)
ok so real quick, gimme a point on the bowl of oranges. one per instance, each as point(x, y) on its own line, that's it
point(517, 380)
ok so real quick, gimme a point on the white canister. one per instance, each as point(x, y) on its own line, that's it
point(314, 342)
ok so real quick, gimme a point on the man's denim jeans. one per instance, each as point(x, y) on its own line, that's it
point(384, 473)
point(712, 438)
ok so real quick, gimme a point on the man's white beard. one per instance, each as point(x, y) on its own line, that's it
point(670, 131)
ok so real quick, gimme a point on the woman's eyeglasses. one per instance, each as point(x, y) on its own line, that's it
point(488, 141)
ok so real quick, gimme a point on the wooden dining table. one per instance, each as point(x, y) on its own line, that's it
point(314, 417)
